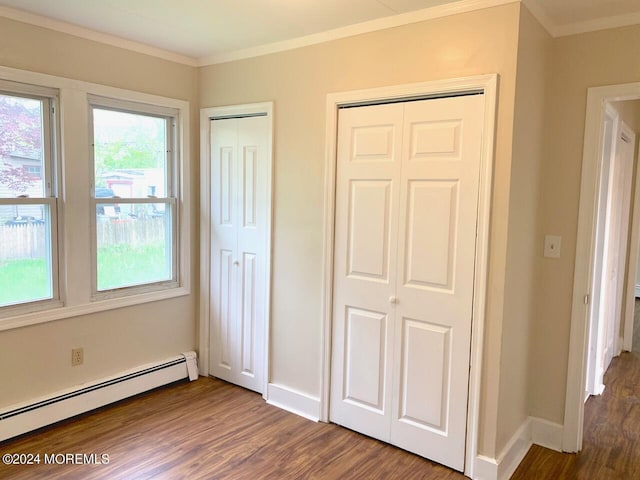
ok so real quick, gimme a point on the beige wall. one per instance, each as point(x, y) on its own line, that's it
point(525, 245)
point(298, 81)
point(36, 359)
point(579, 62)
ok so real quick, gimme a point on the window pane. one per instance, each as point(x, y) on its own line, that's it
point(25, 256)
point(134, 244)
point(130, 154)
point(21, 147)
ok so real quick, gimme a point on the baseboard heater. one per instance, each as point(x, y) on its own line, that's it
point(23, 418)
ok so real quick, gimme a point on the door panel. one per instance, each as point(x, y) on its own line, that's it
point(431, 233)
point(424, 392)
point(406, 209)
point(365, 366)
point(239, 239)
point(367, 192)
point(368, 237)
point(442, 302)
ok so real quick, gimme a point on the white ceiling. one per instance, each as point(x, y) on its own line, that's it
point(209, 31)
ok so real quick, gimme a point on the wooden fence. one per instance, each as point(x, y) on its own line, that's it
point(29, 241)
point(22, 241)
point(134, 231)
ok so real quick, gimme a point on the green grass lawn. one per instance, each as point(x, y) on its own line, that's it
point(123, 265)
point(118, 266)
point(23, 281)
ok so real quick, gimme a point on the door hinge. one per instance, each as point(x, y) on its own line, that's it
point(586, 299)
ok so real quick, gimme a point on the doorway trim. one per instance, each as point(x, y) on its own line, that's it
point(206, 115)
point(585, 257)
point(486, 84)
point(634, 250)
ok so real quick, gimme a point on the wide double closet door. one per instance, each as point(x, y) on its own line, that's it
point(405, 235)
point(239, 231)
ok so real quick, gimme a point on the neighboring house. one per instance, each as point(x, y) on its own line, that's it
point(29, 166)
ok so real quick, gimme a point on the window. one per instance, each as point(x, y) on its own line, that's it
point(28, 204)
point(95, 210)
point(134, 215)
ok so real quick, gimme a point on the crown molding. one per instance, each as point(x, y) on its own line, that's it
point(541, 15)
point(416, 16)
point(599, 24)
point(88, 34)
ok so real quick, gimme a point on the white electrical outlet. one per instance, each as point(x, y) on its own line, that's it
point(552, 244)
point(77, 357)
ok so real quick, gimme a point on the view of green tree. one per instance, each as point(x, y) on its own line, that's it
point(126, 141)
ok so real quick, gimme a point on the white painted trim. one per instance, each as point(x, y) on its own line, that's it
point(638, 285)
point(93, 35)
point(633, 250)
point(293, 401)
point(485, 468)
point(205, 231)
point(92, 398)
point(70, 307)
point(597, 24)
point(532, 431)
point(546, 434)
point(540, 13)
point(583, 273)
point(383, 23)
point(488, 84)
point(514, 451)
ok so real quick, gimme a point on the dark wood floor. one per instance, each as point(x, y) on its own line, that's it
point(209, 429)
point(611, 446)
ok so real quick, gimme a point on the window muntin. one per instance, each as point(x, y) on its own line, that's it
point(28, 207)
point(134, 197)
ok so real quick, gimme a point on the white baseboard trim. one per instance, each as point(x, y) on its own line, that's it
point(533, 430)
point(25, 417)
point(293, 401)
point(546, 434)
point(637, 291)
point(514, 451)
point(486, 468)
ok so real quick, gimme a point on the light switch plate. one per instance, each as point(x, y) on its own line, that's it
point(552, 244)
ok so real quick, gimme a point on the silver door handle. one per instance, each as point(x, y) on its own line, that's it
point(236, 262)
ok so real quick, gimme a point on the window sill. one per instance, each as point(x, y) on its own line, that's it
point(50, 315)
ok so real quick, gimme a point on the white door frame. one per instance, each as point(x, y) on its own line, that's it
point(585, 256)
point(594, 385)
point(482, 83)
point(634, 250)
point(206, 114)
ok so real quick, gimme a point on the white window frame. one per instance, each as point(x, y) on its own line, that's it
point(74, 239)
point(170, 116)
point(51, 164)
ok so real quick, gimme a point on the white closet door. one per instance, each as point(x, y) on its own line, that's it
point(436, 261)
point(239, 233)
point(367, 192)
point(406, 209)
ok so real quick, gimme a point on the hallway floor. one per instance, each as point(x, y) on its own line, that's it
point(611, 448)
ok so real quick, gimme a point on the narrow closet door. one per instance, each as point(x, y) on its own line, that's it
point(436, 261)
point(239, 239)
point(367, 189)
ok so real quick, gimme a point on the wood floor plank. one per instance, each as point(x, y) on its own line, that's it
point(210, 429)
point(611, 445)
